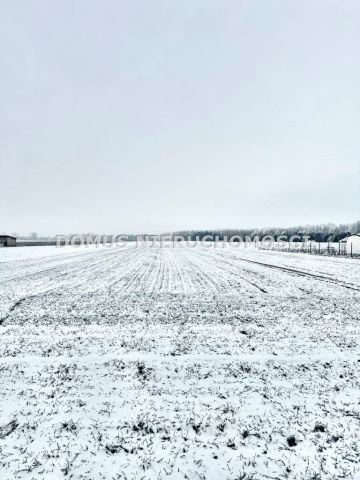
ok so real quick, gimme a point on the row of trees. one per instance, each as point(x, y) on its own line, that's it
point(319, 233)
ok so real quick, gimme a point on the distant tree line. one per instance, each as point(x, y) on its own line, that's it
point(319, 233)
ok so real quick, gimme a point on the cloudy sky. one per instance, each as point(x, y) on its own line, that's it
point(133, 116)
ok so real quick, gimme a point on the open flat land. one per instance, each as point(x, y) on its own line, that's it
point(179, 363)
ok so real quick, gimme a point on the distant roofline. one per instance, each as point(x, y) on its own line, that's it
point(8, 236)
point(350, 235)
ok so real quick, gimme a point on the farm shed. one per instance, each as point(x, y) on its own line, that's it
point(351, 243)
point(7, 241)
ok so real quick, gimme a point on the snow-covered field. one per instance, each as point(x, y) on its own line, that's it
point(180, 363)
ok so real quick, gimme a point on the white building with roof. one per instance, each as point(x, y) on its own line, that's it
point(351, 243)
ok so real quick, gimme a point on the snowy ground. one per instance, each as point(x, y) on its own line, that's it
point(180, 363)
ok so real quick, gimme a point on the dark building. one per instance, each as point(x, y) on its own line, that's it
point(7, 241)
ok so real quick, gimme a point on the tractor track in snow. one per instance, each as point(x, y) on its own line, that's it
point(302, 273)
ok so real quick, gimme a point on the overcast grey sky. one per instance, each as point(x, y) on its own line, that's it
point(133, 116)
